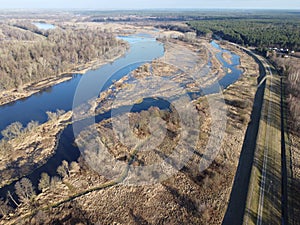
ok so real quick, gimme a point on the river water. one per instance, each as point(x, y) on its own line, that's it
point(142, 49)
point(44, 26)
point(61, 95)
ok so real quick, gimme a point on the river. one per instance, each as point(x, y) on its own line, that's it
point(44, 26)
point(60, 96)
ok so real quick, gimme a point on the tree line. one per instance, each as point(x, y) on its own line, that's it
point(11, 33)
point(262, 33)
point(26, 193)
point(291, 71)
point(25, 58)
point(173, 27)
point(294, 98)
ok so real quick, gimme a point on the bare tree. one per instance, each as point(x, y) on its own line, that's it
point(63, 169)
point(294, 97)
point(53, 183)
point(55, 115)
point(4, 207)
point(59, 51)
point(51, 115)
point(44, 181)
point(9, 195)
point(31, 126)
point(60, 112)
point(5, 147)
point(25, 190)
point(74, 167)
point(12, 131)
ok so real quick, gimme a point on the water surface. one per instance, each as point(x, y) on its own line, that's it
point(44, 26)
point(61, 96)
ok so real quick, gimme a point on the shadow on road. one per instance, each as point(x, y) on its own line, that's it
point(237, 203)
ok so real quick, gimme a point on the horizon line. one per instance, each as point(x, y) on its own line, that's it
point(151, 9)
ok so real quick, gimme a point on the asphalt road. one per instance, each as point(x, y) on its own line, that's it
point(263, 201)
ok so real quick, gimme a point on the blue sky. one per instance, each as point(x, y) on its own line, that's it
point(144, 4)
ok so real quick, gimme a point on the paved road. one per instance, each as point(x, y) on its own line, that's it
point(237, 203)
point(262, 199)
point(268, 172)
point(265, 161)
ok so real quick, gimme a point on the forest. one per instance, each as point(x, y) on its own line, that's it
point(261, 33)
point(29, 55)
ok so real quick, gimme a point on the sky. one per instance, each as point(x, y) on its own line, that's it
point(150, 4)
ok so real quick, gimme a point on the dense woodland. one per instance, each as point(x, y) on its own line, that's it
point(261, 33)
point(27, 55)
point(174, 27)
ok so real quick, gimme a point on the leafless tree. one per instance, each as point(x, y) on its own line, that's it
point(4, 207)
point(74, 167)
point(28, 54)
point(9, 195)
point(54, 182)
point(12, 131)
point(5, 147)
point(44, 181)
point(55, 115)
point(63, 169)
point(25, 190)
point(31, 126)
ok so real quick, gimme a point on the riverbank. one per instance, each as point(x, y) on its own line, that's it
point(30, 149)
point(190, 197)
point(9, 96)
